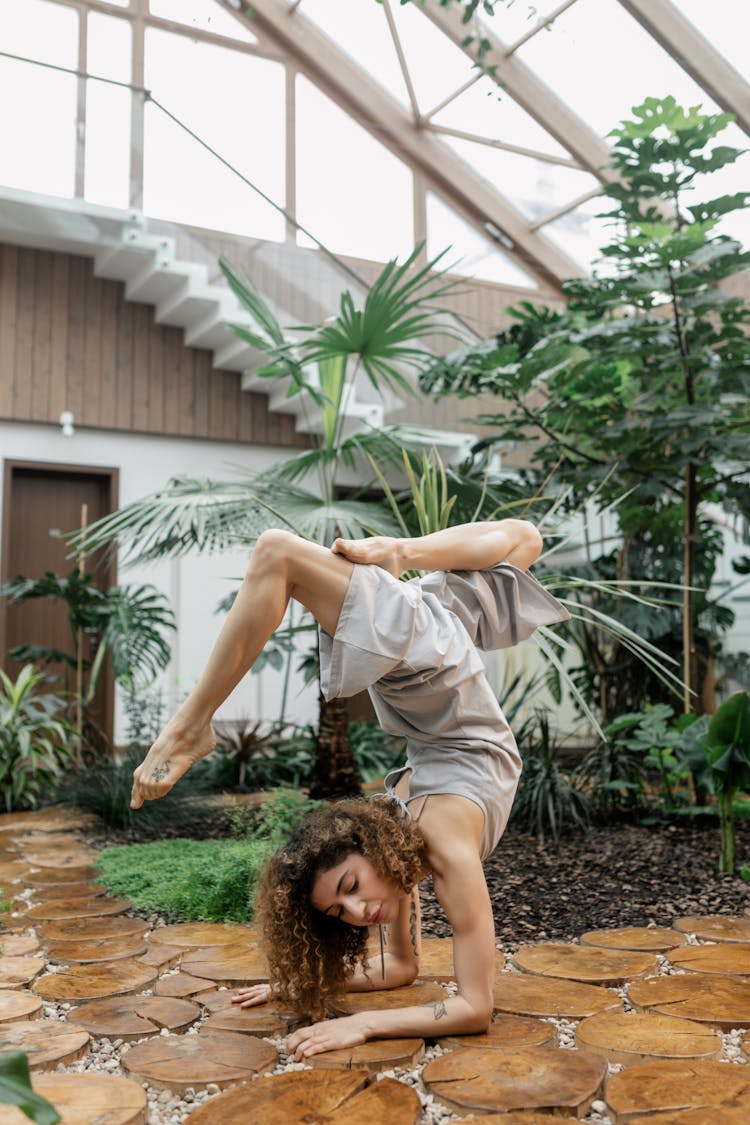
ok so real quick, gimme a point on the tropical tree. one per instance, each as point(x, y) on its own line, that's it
point(638, 392)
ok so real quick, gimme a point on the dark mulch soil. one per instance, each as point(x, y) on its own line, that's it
point(621, 875)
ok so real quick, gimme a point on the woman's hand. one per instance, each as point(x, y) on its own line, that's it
point(380, 550)
point(249, 997)
point(330, 1035)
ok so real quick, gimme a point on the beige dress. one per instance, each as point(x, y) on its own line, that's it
point(413, 646)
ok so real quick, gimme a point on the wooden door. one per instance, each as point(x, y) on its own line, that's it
point(41, 502)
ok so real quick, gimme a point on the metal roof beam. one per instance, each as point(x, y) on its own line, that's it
point(694, 53)
point(533, 95)
point(337, 75)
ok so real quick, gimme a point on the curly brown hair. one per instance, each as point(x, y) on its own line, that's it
point(310, 954)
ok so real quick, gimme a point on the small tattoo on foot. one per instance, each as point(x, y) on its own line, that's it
point(160, 772)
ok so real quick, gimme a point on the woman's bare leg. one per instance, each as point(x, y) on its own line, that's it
point(282, 566)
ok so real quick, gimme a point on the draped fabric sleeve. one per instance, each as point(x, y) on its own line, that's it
point(498, 607)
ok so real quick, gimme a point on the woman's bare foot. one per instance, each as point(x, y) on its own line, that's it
point(174, 752)
point(380, 550)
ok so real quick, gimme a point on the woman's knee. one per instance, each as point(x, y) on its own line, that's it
point(274, 547)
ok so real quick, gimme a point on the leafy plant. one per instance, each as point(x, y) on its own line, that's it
point(15, 1089)
point(375, 751)
point(36, 743)
point(547, 799)
point(726, 744)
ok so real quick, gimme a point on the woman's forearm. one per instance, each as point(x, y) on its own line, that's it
point(473, 546)
point(452, 1016)
point(372, 977)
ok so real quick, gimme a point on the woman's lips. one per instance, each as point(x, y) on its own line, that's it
point(375, 919)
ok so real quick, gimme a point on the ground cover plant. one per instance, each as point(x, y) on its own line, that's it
point(203, 880)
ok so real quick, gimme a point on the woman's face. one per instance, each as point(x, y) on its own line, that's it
point(354, 892)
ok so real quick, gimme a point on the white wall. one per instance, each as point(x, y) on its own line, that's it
point(195, 584)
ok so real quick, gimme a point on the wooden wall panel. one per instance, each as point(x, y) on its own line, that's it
point(71, 341)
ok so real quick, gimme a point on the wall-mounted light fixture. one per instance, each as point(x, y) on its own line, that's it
point(66, 421)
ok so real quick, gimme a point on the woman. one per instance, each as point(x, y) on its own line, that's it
point(357, 864)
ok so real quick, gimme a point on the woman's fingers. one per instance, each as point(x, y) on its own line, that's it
point(247, 997)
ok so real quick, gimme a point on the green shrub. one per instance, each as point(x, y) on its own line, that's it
point(375, 751)
point(36, 744)
point(547, 800)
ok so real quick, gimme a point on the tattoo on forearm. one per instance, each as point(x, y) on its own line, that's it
point(438, 1009)
point(160, 772)
point(413, 925)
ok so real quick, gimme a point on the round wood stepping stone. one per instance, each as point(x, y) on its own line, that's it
point(12, 871)
point(541, 1078)
point(46, 1042)
point(87, 1099)
point(642, 939)
point(508, 1031)
point(338, 1097)
point(162, 956)
point(60, 861)
point(59, 909)
point(706, 1115)
point(436, 960)
point(90, 982)
point(18, 1005)
point(388, 998)
point(215, 999)
point(678, 1086)
point(722, 1002)
point(50, 841)
point(94, 950)
point(247, 1021)
point(586, 964)
point(548, 997)
point(16, 971)
point(635, 1037)
point(46, 820)
point(726, 958)
point(175, 1062)
point(376, 1055)
point(181, 985)
point(18, 945)
point(48, 876)
point(134, 1017)
point(52, 891)
point(229, 964)
point(197, 935)
point(715, 927)
point(77, 929)
point(521, 1118)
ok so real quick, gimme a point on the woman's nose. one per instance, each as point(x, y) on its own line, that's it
point(357, 911)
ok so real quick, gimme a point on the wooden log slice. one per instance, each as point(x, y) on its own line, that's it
point(162, 956)
point(508, 1031)
point(175, 1062)
point(15, 971)
point(584, 963)
point(721, 1002)
point(49, 841)
point(641, 939)
point(374, 1056)
point(46, 820)
point(215, 999)
point(94, 950)
point(198, 935)
point(18, 945)
point(61, 909)
point(11, 871)
point(230, 964)
point(706, 1115)
point(529, 1078)
point(181, 985)
point(677, 1086)
point(336, 1097)
point(715, 927)
point(726, 959)
point(83, 929)
point(547, 997)
point(388, 998)
point(134, 1017)
point(13, 923)
point(87, 1099)
point(50, 892)
point(18, 1006)
point(91, 982)
point(49, 876)
point(46, 1042)
point(436, 960)
point(248, 1021)
point(61, 861)
point(635, 1037)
